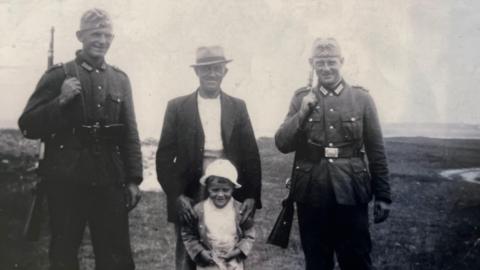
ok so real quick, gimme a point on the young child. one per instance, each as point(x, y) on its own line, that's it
point(216, 240)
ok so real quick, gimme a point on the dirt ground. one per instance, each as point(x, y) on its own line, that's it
point(434, 224)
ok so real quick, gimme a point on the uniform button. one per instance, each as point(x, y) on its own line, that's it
point(97, 71)
point(118, 100)
point(61, 146)
point(99, 87)
point(99, 105)
point(330, 127)
point(317, 107)
point(353, 119)
point(331, 109)
point(298, 167)
point(330, 160)
point(330, 94)
point(310, 120)
point(330, 144)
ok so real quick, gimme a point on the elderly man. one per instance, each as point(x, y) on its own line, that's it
point(199, 128)
point(333, 130)
point(83, 111)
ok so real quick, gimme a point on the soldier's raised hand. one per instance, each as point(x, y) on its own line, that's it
point(308, 102)
point(71, 87)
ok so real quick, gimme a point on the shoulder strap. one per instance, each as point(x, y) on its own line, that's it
point(68, 74)
point(67, 69)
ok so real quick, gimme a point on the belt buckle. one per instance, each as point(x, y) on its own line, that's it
point(331, 152)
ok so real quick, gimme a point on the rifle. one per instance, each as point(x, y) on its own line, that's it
point(280, 234)
point(32, 227)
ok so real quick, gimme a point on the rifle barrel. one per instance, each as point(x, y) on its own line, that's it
point(50, 49)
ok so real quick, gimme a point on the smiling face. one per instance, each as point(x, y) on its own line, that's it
point(96, 42)
point(219, 190)
point(210, 78)
point(328, 69)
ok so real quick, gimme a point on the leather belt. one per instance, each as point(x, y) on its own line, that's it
point(97, 136)
point(98, 131)
point(317, 152)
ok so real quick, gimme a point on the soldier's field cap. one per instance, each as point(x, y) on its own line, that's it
point(95, 18)
point(326, 47)
point(209, 55)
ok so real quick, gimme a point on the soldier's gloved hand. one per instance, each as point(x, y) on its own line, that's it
point(247, 210)
point(381, 210)
point(185, 211)
point(133, 196)
point(71, 87)
point(308, 102)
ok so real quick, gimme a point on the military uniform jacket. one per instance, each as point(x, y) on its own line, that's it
point(344, 119)
point(107, 99)
point(179, 158)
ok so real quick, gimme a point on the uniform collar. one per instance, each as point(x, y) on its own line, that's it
point(337, 90)
point(86, 64)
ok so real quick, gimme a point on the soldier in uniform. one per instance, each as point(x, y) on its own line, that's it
point(83, 111)
point(199, 128)
point(340, 164)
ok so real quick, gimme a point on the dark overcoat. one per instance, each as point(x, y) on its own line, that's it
point(179, 158)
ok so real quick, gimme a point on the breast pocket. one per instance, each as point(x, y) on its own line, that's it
point(114, 107)
point(352, 127)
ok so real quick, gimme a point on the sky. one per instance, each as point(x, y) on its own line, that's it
point(418, 59)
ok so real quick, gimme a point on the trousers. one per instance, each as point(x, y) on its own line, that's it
point(71, 209)
point(335, 229)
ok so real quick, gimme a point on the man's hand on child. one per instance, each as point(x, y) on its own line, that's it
point(185, 209)
point(247, 210)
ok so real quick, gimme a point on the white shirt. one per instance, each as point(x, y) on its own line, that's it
point(210, 117)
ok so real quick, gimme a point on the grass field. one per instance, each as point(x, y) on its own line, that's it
point(434, 224)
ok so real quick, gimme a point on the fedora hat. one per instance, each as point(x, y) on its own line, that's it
point(209, 55)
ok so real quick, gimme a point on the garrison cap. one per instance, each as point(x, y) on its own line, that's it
point(95, 18)
point(326, 47)
point(209, 55)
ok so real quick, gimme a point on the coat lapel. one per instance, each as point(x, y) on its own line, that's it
point(228, 118)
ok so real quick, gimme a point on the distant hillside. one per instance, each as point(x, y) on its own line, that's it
point(432, 130)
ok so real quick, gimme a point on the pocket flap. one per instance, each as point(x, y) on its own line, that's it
point(358, 165)
point(350, 118)
point(303, 166)
point(116, 99)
